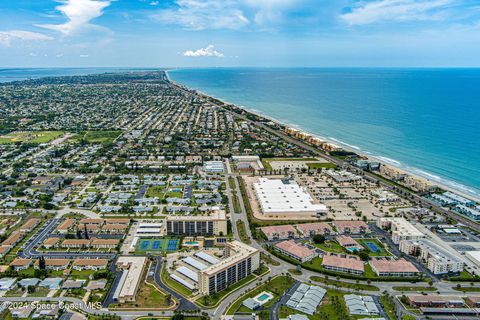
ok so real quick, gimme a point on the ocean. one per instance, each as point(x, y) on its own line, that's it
point(426, 121)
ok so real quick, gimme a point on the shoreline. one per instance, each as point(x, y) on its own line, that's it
point(443, 183)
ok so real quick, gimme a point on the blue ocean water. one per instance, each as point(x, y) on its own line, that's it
point(424, 120)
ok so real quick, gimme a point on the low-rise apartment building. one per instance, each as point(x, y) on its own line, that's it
point(437, 259)
point(400, 229)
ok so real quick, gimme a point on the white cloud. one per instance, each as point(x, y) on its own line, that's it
point(209, 51)
point(154, 3)
point(84, 56)
point(204, 14)
point(396, 10)
point(79, 13)
point(59, 55)
point(6, 37)
point(266, 11)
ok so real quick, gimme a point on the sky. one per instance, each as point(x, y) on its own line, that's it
point(224, 33)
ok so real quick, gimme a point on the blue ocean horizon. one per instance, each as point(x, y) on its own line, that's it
point(423, 120)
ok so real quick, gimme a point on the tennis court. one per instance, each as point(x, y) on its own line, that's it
point(160, 245)
point(144, 244)
point(172, 244)
point(372, 246)
point(156, 244)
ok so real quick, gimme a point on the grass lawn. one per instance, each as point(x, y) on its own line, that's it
point(268, 259)
point(212, 300)
point(242, 232)
point(467, 289)
point(414, 288)
point(388, 306)
point(321, 165)
point(39, 292)
point(231, 183)
point(101, 136)
point(333, 306)
point(267, 166)
point(277, 286)
point(236, 204)
point(330, 246)
point(155, 191)
point(379, 245)
point(184, 291)
point(17, 292)
point(37, 137)
point(295, 272)
point(369, 273)
point(83, 274)
point(463, 276)
point(349, 285)
point(148, 296)
point(172, 194)
point(76, 293)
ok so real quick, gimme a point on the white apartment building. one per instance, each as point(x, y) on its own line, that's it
point(400, 228)
point(211, 224)
point(240, 261)
point(436, 258)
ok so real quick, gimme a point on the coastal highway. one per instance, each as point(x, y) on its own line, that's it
point(372, 177)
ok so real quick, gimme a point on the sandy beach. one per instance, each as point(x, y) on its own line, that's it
point(462, 190)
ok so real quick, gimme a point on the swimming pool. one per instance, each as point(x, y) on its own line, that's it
point(263, 297)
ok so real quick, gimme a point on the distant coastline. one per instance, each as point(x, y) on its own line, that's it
point(441, 182)
point(445, 183)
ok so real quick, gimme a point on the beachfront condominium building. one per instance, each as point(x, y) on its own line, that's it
point(400, 228)
point(239, 262)
point(285, 197)
point(200, 225)
point(437, 259)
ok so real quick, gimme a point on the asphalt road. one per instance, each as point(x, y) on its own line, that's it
point(184, 304)
point(30, 248)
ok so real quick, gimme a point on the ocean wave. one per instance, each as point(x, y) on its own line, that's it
point(390, 161)
point(426, 174)
point(345, 144)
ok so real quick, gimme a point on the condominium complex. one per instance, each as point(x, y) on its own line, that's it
point(401, 229)
point(437, 259)
point(239, 262)
point(200, 225)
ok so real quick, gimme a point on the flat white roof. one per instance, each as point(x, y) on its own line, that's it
point(135, 268)
point(276, 195)
point(149, 225)
point(182, 281)
point(188, 273)
point(205, 256)
point(195, 263)
point(474, 256)
point(148, 230)
point(402, 226)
